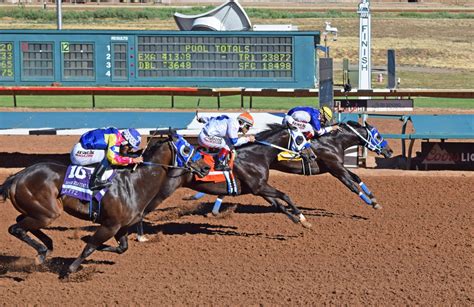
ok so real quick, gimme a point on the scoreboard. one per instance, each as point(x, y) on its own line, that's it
point(159, 58)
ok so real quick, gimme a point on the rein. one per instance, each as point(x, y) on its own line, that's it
point(277, 147)
point(173, 154)
point(160, 164)
point(366, 140)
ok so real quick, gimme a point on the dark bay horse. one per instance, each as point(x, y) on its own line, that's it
point(329, 150)
point(251, 170)
point(35, 193)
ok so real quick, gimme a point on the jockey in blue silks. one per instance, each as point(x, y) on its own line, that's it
point(310, 121)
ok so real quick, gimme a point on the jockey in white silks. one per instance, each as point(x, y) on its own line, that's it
point(222, 132)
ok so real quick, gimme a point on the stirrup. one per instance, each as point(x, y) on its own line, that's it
point(99, 185)
point(222, 167)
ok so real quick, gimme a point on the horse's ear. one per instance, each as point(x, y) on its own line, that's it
point(353, 123)
point(173, 137)
point(369, 126)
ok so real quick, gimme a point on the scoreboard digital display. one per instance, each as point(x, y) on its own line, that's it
point(285, 59)
point(215, 56)
point(6, 61)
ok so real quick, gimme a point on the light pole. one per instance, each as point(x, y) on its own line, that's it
point(328, 29)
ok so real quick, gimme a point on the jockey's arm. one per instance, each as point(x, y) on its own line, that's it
point(233, 135)
point(241, 140)
point(202, 119)
point(113, 152)
point(324, 130)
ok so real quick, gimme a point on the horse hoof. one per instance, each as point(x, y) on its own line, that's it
point(142, 239)
point(304, 221)
point(41, 257)
point(306, 224)
point(72, 269)
point(377, 207)
point(39, 260)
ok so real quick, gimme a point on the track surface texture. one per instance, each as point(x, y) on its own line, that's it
point(417, 250)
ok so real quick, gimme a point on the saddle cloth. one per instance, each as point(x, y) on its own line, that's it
point(288, 156)
point(76, 183)
point(219, 176)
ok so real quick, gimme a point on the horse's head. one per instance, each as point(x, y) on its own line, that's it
point(188, 157)
point(178, 153)
point(371, 138)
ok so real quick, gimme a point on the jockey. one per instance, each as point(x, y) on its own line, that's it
point(108, 146)
point(222, 132)
point(310, 120)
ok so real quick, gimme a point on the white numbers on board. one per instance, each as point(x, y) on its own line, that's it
point(108, 63)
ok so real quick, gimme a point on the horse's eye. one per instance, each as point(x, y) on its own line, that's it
point(185, 151)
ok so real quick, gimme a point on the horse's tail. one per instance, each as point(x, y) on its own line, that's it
point(5, 187)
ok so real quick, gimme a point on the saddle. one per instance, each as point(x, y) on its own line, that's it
point(76, 185)
point(220, 176)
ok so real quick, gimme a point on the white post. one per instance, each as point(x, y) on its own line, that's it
point(59, 14)
point(365, 68)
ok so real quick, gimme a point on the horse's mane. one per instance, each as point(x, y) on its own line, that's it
point(271, 130)
point(153, 147)
point(352, 123)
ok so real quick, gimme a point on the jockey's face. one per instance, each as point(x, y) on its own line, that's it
point(244, 128)
point(322, 119)
point(125, 149)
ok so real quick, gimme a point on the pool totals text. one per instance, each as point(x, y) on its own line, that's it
point(197, 56)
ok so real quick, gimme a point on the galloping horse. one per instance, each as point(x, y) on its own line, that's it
point(35, 193)
point(251, 171)
point(329, 150)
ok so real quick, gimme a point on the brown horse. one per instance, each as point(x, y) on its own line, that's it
point(35, 193)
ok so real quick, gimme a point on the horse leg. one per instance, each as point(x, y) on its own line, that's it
point(140, 233)
point(39, 234)
point(217, 205)
point(26, 224)
point(122, 239)
point(366, 190)
point(102, 234)
point(345, 177)
point(196, 196)
point(265, 190)
point(282, 208)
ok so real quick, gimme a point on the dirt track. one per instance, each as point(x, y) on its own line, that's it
point(417, 250)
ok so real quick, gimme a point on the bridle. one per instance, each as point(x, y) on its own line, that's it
point(179, 159)
point(370, 142)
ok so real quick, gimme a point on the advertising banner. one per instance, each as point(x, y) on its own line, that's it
point(447, 156)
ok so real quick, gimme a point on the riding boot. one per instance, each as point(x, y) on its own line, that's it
point(221, 161)
point(222, 165)
point(96, 182)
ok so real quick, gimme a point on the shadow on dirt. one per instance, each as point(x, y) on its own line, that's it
point(205, 209)
point(324, 213)
point(62, 228)
point(18, 268)
point(206, 229)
